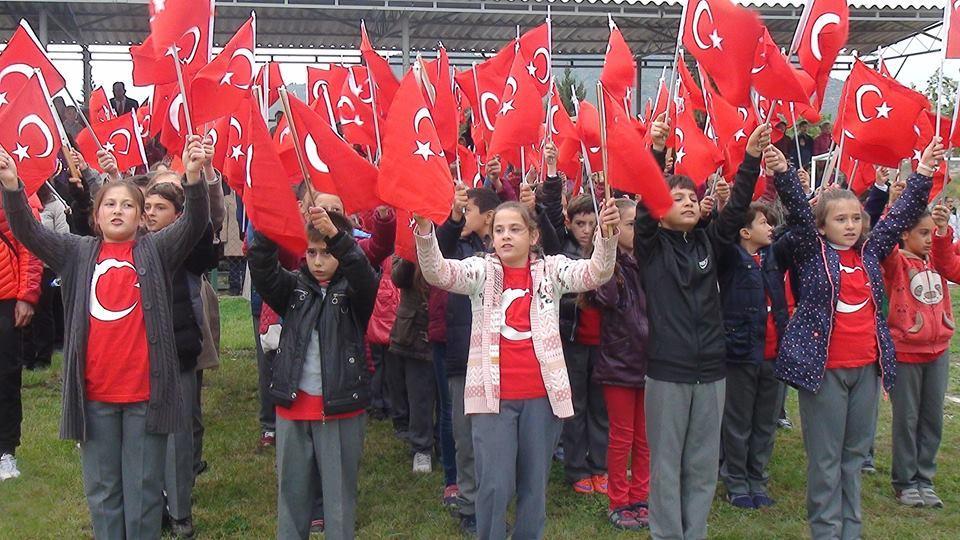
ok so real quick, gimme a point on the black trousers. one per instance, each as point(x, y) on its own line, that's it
point(11, 406)
point(39, 339)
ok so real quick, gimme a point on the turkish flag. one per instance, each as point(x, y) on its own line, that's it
point(773, 76)
point(535, 46)
point(469, 167)
point(483, 85)
point(119, 136)
point(333, 165)
point(324, 84)
point(659, 105)
point(149, 67)
point(521, 113)
point(732, 127)
point(268, 198)
point(220, 134)
point(619, 72)
point(99, 107)
point(925, 130)
point(384, 81)
point(220, 87)
point(231, 134)
point(21, 56)
point(631, 167)
point(697, 156)
point(568, 160)
point(169, 116)
point(144, 120)
point(694, 95)
point(414, 175)
point(860, 175)
point(444, 107)
point(269, 80)
point(951, 25)
point(355, 109)
point(588, 126)
point(561, 126)
point(821, 34)
point(170, 20)
point(404, 245)
point(723, 37)
point(878, 114)
point(28, 132)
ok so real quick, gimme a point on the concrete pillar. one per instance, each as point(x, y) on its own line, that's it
point(42, 33)
point(405, 41)
point(87, 73)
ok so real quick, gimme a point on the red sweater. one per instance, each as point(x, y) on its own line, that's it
point(921, 317)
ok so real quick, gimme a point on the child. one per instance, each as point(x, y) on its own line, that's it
point(684, 392)
point(837, 336)
point(464, 235)
point(921, 323)
point(319, 381)
point(621, 369)
point(121, 391)
point(751, 276)
point(517, 386)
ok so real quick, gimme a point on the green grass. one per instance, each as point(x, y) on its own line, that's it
point(235, 498)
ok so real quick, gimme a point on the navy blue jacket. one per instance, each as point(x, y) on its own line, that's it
point(459, 314)
point(803, 351)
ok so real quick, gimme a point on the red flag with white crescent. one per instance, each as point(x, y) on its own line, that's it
point(220, 87)
point(28, 132)
point(22, 55)
point(120, 137)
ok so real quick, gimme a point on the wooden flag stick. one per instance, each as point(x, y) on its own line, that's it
point(64, 140)
point(603, 148)
point(183, 91)
point(83, 117)
point(285, 103)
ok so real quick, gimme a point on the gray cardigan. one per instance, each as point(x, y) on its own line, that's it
point(156, 256)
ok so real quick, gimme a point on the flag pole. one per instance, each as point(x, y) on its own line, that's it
point(86, 123)
point(186, 108)
point(285, 104)
point(796, 134)
point(373, 101)
point(603, 149)
point(678, 52)
point(74, 170)
point(586, 161)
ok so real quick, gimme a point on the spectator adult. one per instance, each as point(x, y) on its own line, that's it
point(121, 103)
point(803, 145)
point(822, 142)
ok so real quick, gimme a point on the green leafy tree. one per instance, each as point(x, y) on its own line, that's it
point(949, 94)
point(567, 85)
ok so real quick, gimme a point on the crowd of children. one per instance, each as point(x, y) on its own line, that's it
point(649, 355)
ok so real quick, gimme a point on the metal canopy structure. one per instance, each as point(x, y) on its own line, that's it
point(579, 26)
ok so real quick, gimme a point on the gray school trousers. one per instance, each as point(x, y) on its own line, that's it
point(584, 435)
point(838, 427)
point(749, 426)
point(463, 438)
point(179, 470)
point(917, 401)
point(122, 471)
point(683, 432)
point(315, 455)
point(513, 451)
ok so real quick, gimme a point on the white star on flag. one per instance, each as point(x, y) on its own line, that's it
point(236, 152)
point(21, 152)
point(424, 151)
point(3, 98)
point(108, 146)
point(506, 107)
point(739, 135)
point(716, 39)
point(532, 69)
point(680, 154)
point(883, 110)
point(159, 5)
point(227, 78)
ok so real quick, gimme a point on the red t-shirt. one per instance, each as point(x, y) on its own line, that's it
point(853, 342)
point(588, 326)
point(520, 376)
point(118, 361)
point(770, 337)
point(308, 407)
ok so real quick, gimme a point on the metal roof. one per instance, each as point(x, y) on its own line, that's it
point(579, 26)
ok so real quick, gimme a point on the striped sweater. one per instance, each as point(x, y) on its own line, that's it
point(481, 278)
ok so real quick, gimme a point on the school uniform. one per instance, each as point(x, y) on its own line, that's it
point(320, 383)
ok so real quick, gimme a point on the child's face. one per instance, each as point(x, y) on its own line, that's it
point(759, 233)
point(685, 212)
point(158, 213)
point(475, 221)
point(322, 264)
point(919, 239)
point(627, 218)
point(844, 223)
point(119, 215)
point(512, 238)
point(582, 227)
point(329, 202)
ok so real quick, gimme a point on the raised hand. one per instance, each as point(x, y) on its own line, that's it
point(193, 158)
point(774, 160)
point(321, 222)
point(932, 156)
point(8, 171)
point(459, 202)
point(941, 218)
point(659, 131)
point(550, 158)
point(108, 164)
point(759, 139)
point(609, 217)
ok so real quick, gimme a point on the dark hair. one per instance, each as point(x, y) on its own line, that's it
point(679, 181)
point(485, 198)
point(525, 215)
point(755, 208)
point(142, 180)
point(581, 204)
point(339, 221)
point(169, 191)
point(132, 189)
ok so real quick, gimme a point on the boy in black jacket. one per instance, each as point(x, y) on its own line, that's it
point(320, 381)
point(685, 370)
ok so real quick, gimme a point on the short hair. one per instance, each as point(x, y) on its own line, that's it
point(339, 221)
point(680, 181)
point(581, 204)
point(624, 204)
point(755, 208)
point(485, 198)
point(120, 84)
point(170, 192)
point(142, 180)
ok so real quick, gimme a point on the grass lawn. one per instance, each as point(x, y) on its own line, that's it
point(236, 497)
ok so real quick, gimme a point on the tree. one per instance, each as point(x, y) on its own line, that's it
point(949, 94)
point(566, 86)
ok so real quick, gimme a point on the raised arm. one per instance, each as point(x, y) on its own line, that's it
point(274, 283)
point(587, 274)
point(460, 277)
point(724, 229)
point(176, 241)
point(380, 244)
point(361, 278)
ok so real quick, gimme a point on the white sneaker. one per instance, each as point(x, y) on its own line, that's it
point(8, 467)
point(422, 463)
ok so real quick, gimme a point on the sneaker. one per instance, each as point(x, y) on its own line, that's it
point(182, 528)
point(267, 439)
point(624, 519)
point(761, 500)
point(422, 462)
point(642, 513)
point(599, 483)
point(316, 526)
point(868, 467)
point(910, 497)
point(583, 486)
point(451, 496)
point(8, 467)
point(558, 454)
point(930, 497)
point(468, 525)
point(741, 501)
point(784, 423)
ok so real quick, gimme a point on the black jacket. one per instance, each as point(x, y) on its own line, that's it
point(459, 315)
point(551, 195)
point(679, 272)
point(408, 337)
point(340, 316)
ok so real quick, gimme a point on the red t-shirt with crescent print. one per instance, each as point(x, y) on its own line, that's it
point(520, 376)
point(853, 342)
point(118, 361)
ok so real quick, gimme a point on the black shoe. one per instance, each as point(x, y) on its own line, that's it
point(182, 528)
point(468, 525)
point(200, 469)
